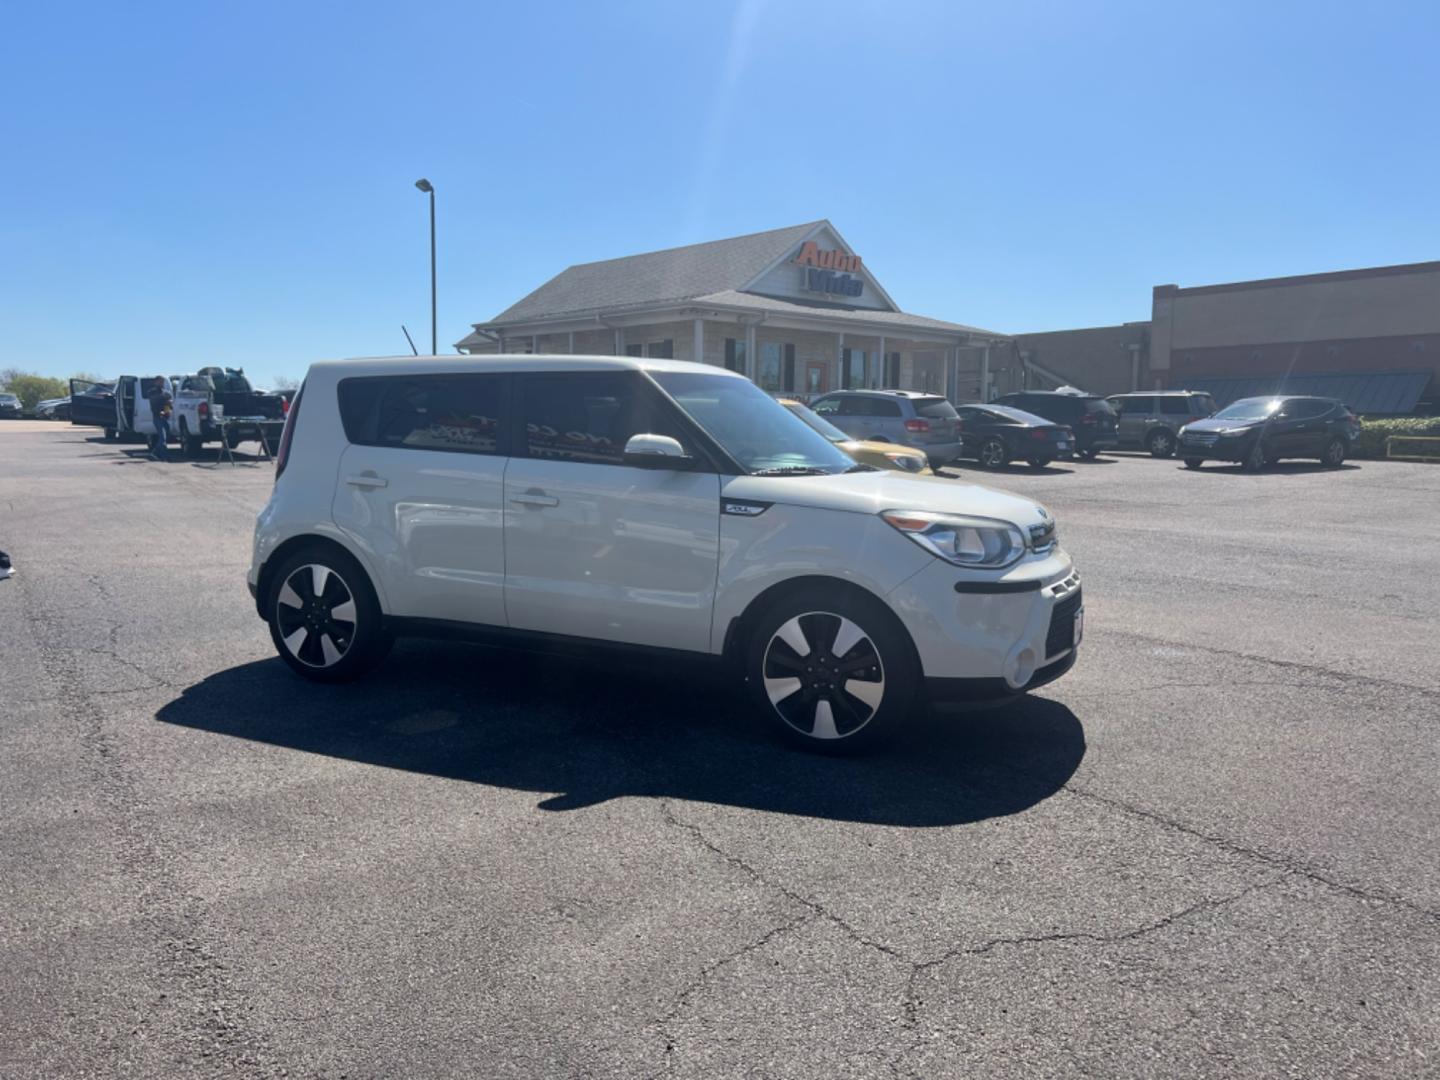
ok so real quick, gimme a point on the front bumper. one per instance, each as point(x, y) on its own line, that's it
point(1004, 636)
point(1220, 449)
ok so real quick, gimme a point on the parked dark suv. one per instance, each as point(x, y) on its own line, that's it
point(1153, 421)
point(1090, 417)
point(1258, 431)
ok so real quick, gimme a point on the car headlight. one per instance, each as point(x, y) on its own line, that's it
point(908, 462)
point(959, 539)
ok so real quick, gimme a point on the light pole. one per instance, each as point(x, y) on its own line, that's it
point(429, 189)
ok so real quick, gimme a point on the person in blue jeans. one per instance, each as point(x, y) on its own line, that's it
point(160, 403)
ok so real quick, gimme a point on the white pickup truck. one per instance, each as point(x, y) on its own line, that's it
point(200, 403)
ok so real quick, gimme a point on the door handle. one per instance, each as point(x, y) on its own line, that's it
point(366, 480)
point(531, 498)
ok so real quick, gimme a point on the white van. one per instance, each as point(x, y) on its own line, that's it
point(651, 505)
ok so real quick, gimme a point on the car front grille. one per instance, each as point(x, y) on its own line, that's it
point(1200, 438)
point(1062, 625)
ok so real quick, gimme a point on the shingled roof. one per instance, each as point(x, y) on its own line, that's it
point(681, 273)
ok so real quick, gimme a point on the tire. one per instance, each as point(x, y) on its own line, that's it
point(1039, 463)
point(192, 445)
point(993, 453)
point(1161, 443)
point(815, 708)
point(111, 435)
point(1193, 462)
point(1088, 455)
point(1334, 453)
point(336, 639)
point(1257, 458)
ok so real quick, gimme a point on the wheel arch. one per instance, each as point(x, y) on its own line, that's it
point(737, 634)
point(295, 543)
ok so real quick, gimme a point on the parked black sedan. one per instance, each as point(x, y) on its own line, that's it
point(1259, 431)
point(996, 435)
point(10, 408)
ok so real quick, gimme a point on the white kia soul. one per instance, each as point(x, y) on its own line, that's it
point(648, 504)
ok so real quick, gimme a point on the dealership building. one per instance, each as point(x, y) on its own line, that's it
point(796, 309)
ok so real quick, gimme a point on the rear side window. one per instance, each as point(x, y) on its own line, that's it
point(854, 406)
point(455, 413)
point(1134, 405)
point(881, 407)
point(589, 418)
point(934, 408)
point(1175, 406)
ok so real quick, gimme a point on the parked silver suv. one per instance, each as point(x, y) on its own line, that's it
point(1153, 421)
point(907, 417)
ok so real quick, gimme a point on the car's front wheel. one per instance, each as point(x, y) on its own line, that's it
point(832, 669)
point(324, 618)
point(1193, 462)
point(1257, 458)
point(1039, 463)
point(1161, 443)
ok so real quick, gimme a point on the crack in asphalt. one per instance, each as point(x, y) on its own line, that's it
point(214, 1036)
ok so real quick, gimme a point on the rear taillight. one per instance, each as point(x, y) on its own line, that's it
point(917, 425)
point(1090, 418)
point(1040, 433)
point(204, 409)
point(292, 417)
point(285, 406)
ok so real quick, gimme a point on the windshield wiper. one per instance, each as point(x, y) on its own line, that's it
point(792, 470)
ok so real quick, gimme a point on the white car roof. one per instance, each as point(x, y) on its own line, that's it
point(508, 362)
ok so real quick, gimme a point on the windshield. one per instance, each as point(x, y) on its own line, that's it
point(1254, 408)
point(755, 429)
point(818, 422)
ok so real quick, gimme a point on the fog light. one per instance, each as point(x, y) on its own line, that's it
point(1020, 668)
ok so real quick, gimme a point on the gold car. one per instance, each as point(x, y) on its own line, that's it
point(882, 455)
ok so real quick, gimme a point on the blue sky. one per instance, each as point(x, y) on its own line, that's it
point(199, 183)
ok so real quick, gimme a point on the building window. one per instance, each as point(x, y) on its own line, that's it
point(789, 374)
point(892, 371)
point(735, 354)
point(852, 369)
point(663, 350)
point(770, 360)
point(634, 350)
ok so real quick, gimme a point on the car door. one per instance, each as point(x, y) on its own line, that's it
point(91, 406)
point(597, 548)
point(1287, 433)
point(420, 488)
point(1308, 415)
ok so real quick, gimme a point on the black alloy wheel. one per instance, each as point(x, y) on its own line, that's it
point(324, 618)
point(1161, 443)
point(993, 453)
point(1334, 455)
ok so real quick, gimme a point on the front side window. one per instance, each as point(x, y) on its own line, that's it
point(1254, 408)
point(456, 413)
point(1175, 406)
point(588, 416)
point(762, 435)
point(826, 406)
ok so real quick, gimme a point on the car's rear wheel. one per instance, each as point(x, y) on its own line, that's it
point(192, 444)
point(832, 669)
point(324, 618)
point(1193, 462)
point(1334, 455)
point(993, 454)
point(1088, 455)
point(1161, 443)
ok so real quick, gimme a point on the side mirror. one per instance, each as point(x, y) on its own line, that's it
point(656, 452)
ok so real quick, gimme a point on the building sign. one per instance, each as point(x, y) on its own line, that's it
point(829, 271)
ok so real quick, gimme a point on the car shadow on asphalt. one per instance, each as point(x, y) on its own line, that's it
point(590, 733)
point(1232, 469)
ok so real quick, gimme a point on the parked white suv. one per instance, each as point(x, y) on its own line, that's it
point(655, 505)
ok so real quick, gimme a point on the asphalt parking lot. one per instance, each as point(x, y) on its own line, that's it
point(1212, 850)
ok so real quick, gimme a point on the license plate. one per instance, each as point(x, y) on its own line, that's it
point(1062, 445)
point(1079, 627)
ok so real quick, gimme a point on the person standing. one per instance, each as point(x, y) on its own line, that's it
point(160, 407)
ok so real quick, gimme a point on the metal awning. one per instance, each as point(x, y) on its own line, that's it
point(1374, 393)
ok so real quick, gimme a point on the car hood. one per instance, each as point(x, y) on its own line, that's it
point(872, 492)
point(1212, 424)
